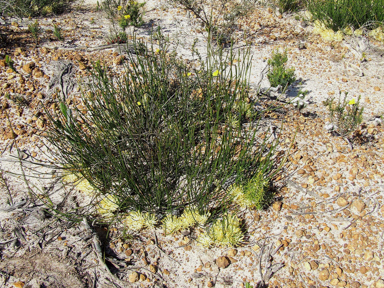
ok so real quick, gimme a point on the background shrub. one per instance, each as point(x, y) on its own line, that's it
point(288, 5)
point(124, 12)
point(32, 8)
point(340, 14)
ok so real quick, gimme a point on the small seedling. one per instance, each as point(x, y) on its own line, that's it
point(119, 38)
point(363, 57)
point(9, 62)
point(20, 101)
point(57, 33)
point(35, 30)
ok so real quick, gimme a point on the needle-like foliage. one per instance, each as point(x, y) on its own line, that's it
point(164, 136)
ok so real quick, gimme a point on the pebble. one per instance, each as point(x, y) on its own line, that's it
point(118, 60)
point(40, 123)
point(232, 252)
point(363, 270)
point(299, 233)
point(339, 271)
point(133, 277)
point(254, 248)
point(334, 282)
point(153, 268)
point(166, 272)
point(37, 73)
point(314, 265)
point(27, 68)
point(222, 262)
point(379, 284)
point(342, 202)
point(368, 256)
point(18, 284)
point(277, 206)
point(324, 275)
point(357, 206)
point(307, 266)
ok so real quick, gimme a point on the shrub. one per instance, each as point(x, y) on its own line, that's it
point(125, 12)
point(288, 5)
point(278, 74)
point(160, 139)
point(345, 115)
point(32, 8)
point(340, 14)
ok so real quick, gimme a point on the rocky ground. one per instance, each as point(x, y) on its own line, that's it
point(325, 228)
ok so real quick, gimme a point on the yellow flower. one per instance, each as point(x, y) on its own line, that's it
point(353, 101)
point(224, 232)
point(139, 103)
point(135, 221)
point(127, 16)
point(157, 51)
point(216, 73)
point(108, 204)
point(119, 8)
point(189, 74)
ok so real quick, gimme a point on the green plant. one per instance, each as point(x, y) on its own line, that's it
point(10, 62)
point(288, 5)
point(341, 14)
point(125, 12)
point(247, 285)
point(35, 30)
point(57, 33)
point(157, 140)
point(120, 37)
point(278, 74)
point(345, 115)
